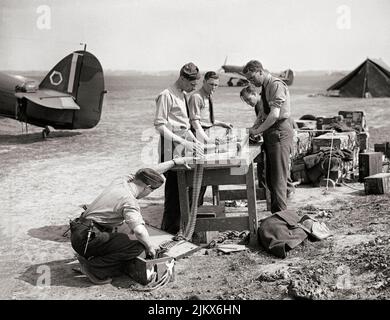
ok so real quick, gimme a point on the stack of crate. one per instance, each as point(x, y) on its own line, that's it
point(326, 123)
point(341, 140)
point(357, 121)
point(306, 124)
point(302, 144)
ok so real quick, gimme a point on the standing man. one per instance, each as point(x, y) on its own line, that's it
point(276, 129)
point(252, 97)
point(200, 107)
point(173, 124)
point(102, 253)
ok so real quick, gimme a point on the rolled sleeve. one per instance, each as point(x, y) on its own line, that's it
point(162, 109)
point(278, 95)
point(194, 105)
point(132, 217)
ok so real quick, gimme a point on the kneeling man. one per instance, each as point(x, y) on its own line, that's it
point(102, 253)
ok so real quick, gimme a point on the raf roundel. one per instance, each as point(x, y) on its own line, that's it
point(56, 78)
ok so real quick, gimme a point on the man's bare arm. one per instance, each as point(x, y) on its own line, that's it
point(200, 132)
point(194, 144)
point(223, 124)
point(167, 165)
point(142, 236)
point(268, 122)
point(168, 134)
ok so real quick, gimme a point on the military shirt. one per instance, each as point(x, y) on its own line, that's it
point(115, 205)
point(199, 108)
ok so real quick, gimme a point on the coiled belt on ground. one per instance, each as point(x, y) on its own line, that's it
point(187, 231)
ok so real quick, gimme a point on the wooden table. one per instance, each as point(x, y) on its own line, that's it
point(237, 170)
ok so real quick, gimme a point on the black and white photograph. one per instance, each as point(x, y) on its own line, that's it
point(209, 150)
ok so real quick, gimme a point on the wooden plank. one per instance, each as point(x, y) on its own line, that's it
point(370, 163)
point(239, 194)
point(212, 176)
point(216, 199)
point(228, 248)
point(222, 224)
point(217, 210)
point(377, 184)
point(252, 206)
point(201, 215)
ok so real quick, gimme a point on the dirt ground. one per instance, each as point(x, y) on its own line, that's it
point(43, 182)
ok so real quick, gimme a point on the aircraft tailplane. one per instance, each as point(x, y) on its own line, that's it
point(287, 76)
point(80, 75)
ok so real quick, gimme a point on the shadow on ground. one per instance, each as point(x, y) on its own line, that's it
point(28, 138)
point(51, 233)
point(61, 273)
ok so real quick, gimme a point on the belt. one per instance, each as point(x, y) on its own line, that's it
point(90, 222)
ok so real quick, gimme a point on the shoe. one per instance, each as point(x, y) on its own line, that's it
point(85, 270)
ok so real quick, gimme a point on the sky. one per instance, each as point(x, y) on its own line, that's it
point(157, 35)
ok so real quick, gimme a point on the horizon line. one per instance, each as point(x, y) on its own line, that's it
point(170, 71)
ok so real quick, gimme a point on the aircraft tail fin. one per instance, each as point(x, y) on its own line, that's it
point(287, 76)
point(80, 75)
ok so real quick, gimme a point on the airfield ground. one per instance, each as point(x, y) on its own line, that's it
point(43, 182)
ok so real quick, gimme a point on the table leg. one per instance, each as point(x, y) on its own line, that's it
point(215, 195)
point(252, 206)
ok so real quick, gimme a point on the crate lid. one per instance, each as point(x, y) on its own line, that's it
point(378, 175)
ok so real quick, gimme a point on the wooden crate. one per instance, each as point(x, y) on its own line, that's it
point(326, 123)
point(377, 184)
point(302, 143)
point(383, 147)
point(354, 119)
point(370, 163)
point(341, 140)
point(141, 269)
point(307, 124)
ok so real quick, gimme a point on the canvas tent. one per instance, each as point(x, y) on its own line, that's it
point(370, 79)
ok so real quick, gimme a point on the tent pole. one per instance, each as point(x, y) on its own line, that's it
point(365, 80)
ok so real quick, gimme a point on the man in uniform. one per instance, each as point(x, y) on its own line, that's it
point(172, 122)
point(201, 111)
point(102, 253)
point(201, 108)
point(251, 96)
point(274, 124)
